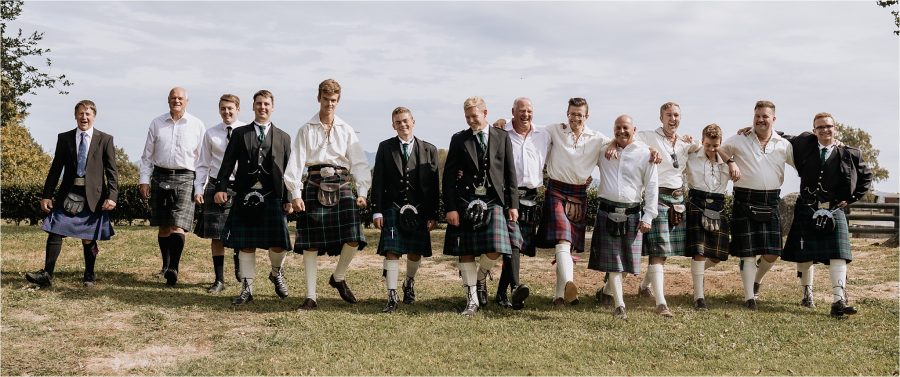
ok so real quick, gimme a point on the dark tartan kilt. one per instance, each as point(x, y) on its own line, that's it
point(461, 241)
point(397, 242)
point(699, 240)
point(750, 238)
point(805, 243)
point(263, 228)
point(86, 225)
point(181, 212)
point(212, 217)
point(527, 235)
point(663, 240)
point(616, 254)
point(555, 226)
point(327, 229)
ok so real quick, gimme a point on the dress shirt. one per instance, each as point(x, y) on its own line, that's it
point(828, 149)
point(760, 170)
point(211, 152)
point(530, 154)
point(573, 163)
point(313, 146)
point(705, 175)
point(630, 178)
point(171, 144)
point(669, 175)
point(90, 134)
point(487, 135)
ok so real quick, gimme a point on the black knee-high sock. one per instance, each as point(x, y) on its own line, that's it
point(218, 264)
point(90, 258)
point(514, 259)
point(164, 251)
point(176, 246)
point(54, 247)
point(505, 276)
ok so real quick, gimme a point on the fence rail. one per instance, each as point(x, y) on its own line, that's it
point(893, 217)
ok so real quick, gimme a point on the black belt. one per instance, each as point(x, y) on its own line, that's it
point(316, 168)
point(159, 170)
point(525, 191)
point(608, 208)
point(671, 192)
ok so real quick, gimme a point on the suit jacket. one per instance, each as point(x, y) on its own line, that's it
point(854, 178)
point(101, 174)
point(240, 151)
point(463, 156)
point(388, 172)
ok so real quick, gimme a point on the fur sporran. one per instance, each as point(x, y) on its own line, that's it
point(408, 219)
point(253, 203)
point(477, 216)
point(823, 220)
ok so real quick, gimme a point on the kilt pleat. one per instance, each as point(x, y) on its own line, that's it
point(86, 225)
point(805, 243)
point(327, 229)
point(555, 226)
point(748, 237)
point(181, 212)
point(212, 217)
point(663, 240)
point(397, 242)
point(495, 237)
point(699, 240)
point(616, 254)
point(262, 229)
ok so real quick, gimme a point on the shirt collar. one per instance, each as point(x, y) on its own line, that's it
point(585, 131)
point(411, 140)
point(89, 132)
point(316, 120)
point(828, 147)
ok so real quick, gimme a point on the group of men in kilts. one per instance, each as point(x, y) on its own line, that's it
point(660, 195)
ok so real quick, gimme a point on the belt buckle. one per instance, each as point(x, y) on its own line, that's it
point(620, 211)
point(522, 192)
point(326, 172)
point(824, 205)
point(79, 181)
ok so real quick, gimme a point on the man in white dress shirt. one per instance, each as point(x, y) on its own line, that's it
point(167, 177)
point(327, 152)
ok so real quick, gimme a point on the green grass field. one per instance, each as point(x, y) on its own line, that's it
point(129, 323)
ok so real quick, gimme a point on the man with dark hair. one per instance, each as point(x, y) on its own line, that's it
point(86, 157)
point(405, 203)
point(167, 176)
point(258, 218)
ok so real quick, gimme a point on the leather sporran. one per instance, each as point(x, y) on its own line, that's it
point(477, 215)
point(329, 194)
point(760, 214)
point(528, 211)
point(676, 214)
point(408, 220)
point(252, 203)
point(823, 220)
point(168, 195)
point(574, 209)
point(711, 220)
point(617, 222)
point(73, 204)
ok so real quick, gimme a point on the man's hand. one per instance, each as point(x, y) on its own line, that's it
point(734, 171)
point(513, 214)
point(655, 157)
point(221, 197)
point(108, 205)
point(432, 224)
point(46, 205)
point(644, 227)
point(379, 222)
point(144, 189)
point(287, 208)
point(298, 204)
point(361, 202)
point(842, 204)
point(744, 131)
point(453, 218)
point(687, 139)
point(198, 199)
point(611, 151)
point(500, 123)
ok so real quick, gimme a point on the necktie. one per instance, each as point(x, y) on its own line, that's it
point(822, 155)
point(82, 155)
point(261, 135)
point(228, 137)
point(481, 139)
point(481, 147)
point(405, 151)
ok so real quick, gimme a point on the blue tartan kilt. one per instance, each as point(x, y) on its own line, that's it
point(616, 254)
point(699, 240)
point(495, 237)
point(748, 237)
point(327, 229)
point(212, 217)
point(261, 228)
point(663, 240)
point(395, 241)
point(805, 243)
point(179, 212)
point(86, 225)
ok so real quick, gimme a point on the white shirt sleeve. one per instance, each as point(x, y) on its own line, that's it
point(651, 195)
point(293, 172)
point(147, 156)
point(203, 163)
point(359, 165)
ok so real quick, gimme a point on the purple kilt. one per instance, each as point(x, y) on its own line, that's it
point(555, 225)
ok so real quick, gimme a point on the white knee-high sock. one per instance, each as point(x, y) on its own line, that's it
point(277, 260)
point(697, 272)
point(763, 269)
point(748, 272)
point(647, 280)
point(485, 265)
point(615, 281)
point(310, 265)
point(412, 267)
point(393, 272)
point(347, 254)
point(658, 281)
point(248, 266)
point(805, 271)
point(469, 272)
point(563, 256)
point(837, 268)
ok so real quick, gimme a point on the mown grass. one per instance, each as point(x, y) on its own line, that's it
point(129, 323)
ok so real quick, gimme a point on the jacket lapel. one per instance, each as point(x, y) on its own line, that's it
point(395, 154)
point(469, 143)
point(95, 145)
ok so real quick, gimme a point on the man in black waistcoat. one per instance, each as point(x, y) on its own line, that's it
point(831, 177)
point(258, 216)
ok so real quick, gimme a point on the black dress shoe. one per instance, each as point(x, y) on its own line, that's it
point(342, 289)
point(308, 304)
point(237, 267)
point(519, 294)
point(246, 294)
point(502, 300)
point(840, 308)
point(171, 277)
point(604, 299)
point(281, 288)
point(481, 290)
point(751, 304)
point(392, 302)
point(216, 287)
point(807, 300)
point(409, 291)
point(40, 277)
point(700, 304)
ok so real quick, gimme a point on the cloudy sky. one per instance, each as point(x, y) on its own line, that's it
point(714, 58)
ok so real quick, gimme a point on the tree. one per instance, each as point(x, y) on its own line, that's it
point(128, 171)
point(24, 162)
point(19, 77)
point(891, 3)
point(861, 139)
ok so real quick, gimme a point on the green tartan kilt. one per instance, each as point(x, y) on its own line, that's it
point(663, 240)
point(805, 243)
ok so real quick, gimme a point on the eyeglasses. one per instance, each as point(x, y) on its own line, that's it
point(576, 116)
point(825, 127)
